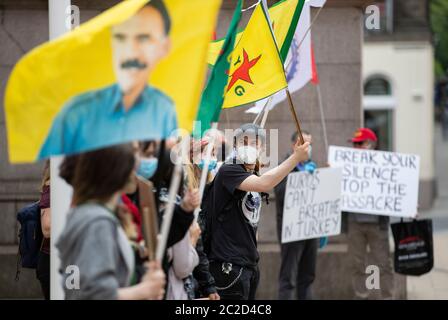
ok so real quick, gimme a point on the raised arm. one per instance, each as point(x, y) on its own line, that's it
point(271, 178)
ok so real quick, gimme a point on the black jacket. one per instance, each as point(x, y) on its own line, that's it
point(205, 280)
point(179, 226)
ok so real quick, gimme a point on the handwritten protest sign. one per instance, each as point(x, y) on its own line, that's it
point(377, 182)
point(312, 205)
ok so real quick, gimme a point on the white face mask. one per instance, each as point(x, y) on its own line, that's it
point(247, 154)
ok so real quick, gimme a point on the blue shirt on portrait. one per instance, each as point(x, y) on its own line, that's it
point(98, 119)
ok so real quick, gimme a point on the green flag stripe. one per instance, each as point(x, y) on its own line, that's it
point(213, 94)
point(292, 29)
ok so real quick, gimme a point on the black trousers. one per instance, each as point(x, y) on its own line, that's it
point(298, 269)
point(43, 273)
point(239, 284)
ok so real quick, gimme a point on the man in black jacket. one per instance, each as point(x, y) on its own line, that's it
point(235, 211)
point(298, 259)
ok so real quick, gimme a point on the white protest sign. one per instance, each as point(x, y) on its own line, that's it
point(377, 182)
point(312, 205)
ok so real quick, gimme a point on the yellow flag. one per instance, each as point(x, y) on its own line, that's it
point(134, 72)
point(256, 70)
point(281, 15)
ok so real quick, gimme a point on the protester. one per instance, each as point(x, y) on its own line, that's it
point(93, 239)
point(131, 221)
point(193, 168)
point(369, 230)
point(43, 260)
point(298, 259)
point(203, 280)
point(220, 149)
point(155, 165)
point(183, 259)
point(235, 207)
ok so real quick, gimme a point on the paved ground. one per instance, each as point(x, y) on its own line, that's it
point(434, 285)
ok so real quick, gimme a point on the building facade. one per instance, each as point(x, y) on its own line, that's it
point(398, 80)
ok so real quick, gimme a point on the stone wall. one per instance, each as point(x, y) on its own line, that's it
point(21, 29)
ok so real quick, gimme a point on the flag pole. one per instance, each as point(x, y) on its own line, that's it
point(288, 94)
point(169, 210)
point(265, 113)
point(60, 192)
point(309, 28)
point(294, 114)
point(266, 106)
point(322, 116)
point(204, 172)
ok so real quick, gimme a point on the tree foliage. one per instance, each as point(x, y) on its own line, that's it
point(439, 25)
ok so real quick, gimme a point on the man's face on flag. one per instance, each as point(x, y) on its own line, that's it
point(138, 45)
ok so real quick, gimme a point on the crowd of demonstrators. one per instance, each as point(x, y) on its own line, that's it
point(43, 260)
point(106, 198)
point(213, 258)
point(368, 230)
point(298, 259)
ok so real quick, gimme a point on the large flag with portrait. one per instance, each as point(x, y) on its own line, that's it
point(134, 72)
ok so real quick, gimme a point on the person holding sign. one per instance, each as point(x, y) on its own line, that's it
point(298, 264)
point(235, 211)
point(369, 230)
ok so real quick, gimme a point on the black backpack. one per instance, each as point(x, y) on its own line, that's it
point(30, 236)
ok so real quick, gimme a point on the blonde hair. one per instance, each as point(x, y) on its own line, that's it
point(193, 176)
point(45, 175)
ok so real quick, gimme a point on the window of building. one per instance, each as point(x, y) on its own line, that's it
point(379, 105)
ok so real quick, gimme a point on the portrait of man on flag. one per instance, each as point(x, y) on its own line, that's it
point(141, 110)
point(121, 76)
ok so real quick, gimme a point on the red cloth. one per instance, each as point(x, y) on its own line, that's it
point(44, 201)
point(315, 78)
point(136, 216)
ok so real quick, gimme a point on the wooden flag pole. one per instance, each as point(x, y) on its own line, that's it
point(291, 105)
point(294, 114)
point(148, 212)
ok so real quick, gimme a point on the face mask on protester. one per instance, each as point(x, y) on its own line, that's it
point(147, 167)
point(211, 165)
point(247, 154)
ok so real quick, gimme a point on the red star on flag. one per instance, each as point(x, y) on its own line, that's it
point(242, 72)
